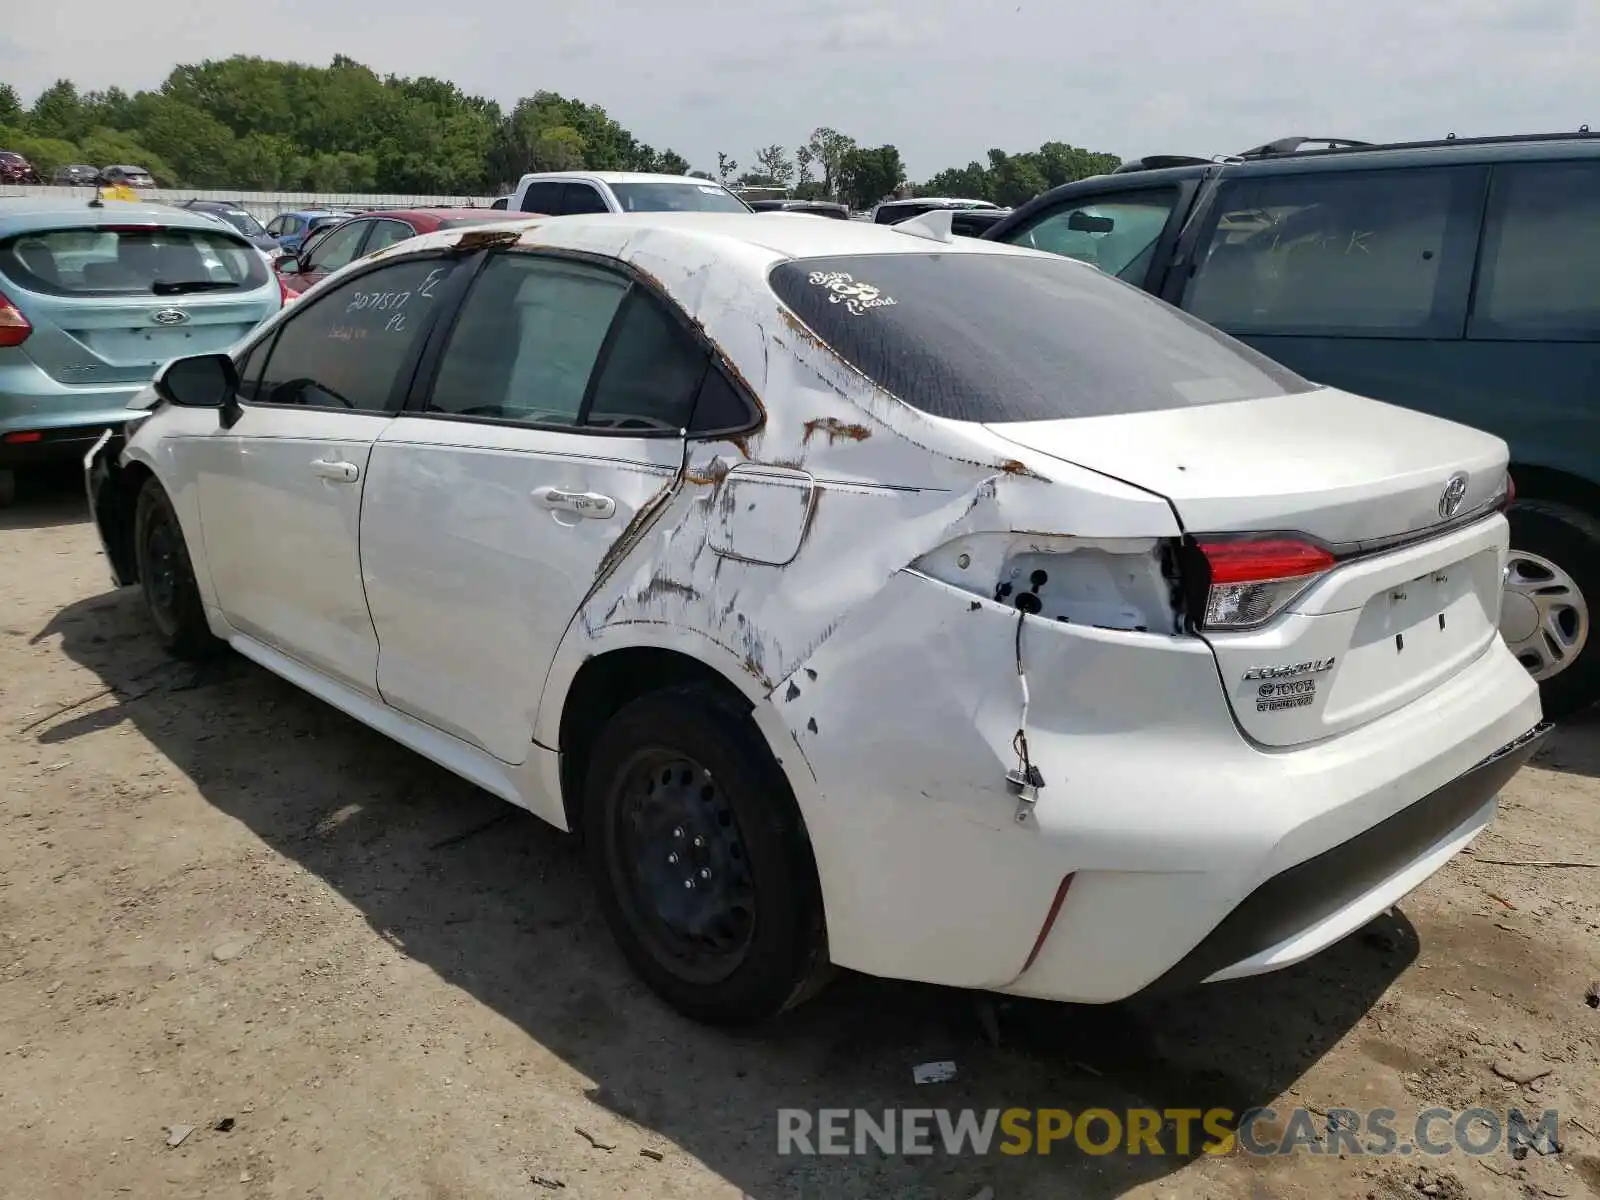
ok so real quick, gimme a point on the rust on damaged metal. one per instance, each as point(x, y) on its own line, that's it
point(834, 429)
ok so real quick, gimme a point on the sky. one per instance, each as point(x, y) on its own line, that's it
point(944, 81)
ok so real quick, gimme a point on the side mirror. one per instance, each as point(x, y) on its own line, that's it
point(199, 381)
point(287, 264)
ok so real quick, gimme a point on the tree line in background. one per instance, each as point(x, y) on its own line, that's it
point(262, 125)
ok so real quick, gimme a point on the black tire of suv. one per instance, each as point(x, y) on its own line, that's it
point(1570, 538)
point(785, 960)
point(159, 547)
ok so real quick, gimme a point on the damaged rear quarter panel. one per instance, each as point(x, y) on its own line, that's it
point(891, 483)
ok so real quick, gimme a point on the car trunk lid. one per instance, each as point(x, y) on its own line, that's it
point(1400, 507)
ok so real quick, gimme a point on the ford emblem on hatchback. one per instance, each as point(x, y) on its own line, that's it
point(169, 316)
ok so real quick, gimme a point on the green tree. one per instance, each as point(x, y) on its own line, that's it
point(829, 148)
point(670, 162)
point(194, 144)
point(867, 176)
point(725, 167)
point(971, 182)
point(11, 110)
point(775, 165)
point(59, 112)
point(1017, 178)
point(106, 147)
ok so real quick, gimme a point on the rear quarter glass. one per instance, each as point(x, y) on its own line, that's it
point(1006, 337)
point(129, 261)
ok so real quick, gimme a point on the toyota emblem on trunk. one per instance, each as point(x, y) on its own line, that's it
point(1455, 491)
point(169, 316)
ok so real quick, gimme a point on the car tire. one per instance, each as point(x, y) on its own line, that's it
point(701, 859)
point(166, 577)
point(8, 487)
point(1553, 573)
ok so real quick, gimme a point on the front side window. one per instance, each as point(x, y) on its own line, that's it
point(337, 248)
point(657, 196)
point(527, 340)
point(345, 350)
point(1540, 271)
point(1117, 233)
point(998, 336)
point(1377, 254)
point(130, 261)
point(241, 220)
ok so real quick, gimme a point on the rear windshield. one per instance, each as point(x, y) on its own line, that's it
point(242, 221)
point(131, 261)
point(1000, 337)
point(676, 197)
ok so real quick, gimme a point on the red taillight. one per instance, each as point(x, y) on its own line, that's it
point(14, 327)
point(1250, 581)
point(1511, 491)
point(22, 436)
point(1254, 562)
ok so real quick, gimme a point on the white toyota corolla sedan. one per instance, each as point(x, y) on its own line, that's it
point(933, 608)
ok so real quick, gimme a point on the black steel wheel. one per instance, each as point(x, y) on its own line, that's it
point(166, 577)
point(701, 860)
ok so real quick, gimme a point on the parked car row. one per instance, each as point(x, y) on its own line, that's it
point(702, 533)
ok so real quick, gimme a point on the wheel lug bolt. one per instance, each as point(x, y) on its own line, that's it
point(699, 841)
point(672, 860)
point(704, 873)
point(689, 883)
point(678, 832)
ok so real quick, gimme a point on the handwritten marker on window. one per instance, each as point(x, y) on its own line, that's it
point(933, 1072)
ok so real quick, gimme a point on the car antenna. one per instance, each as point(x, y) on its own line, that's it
point(96, 202)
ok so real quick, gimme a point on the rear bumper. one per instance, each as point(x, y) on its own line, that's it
point(1315, 903)
point(59, 422)
point(1165, 817)
point(53, 445)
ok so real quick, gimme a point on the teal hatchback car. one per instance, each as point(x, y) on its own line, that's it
point(94, 296)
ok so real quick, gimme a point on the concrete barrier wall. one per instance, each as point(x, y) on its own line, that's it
point(266, 205)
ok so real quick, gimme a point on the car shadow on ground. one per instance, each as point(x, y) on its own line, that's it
point(1574, 747)
point(497, 904)
point(47, 497)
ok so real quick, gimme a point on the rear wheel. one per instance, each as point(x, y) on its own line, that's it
point(8, 487)
point(166, 577)
point(1552, 585)
point(702, 864)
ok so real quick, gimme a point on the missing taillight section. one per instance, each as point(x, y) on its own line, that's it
point(1244, 582)
point(1125, 584)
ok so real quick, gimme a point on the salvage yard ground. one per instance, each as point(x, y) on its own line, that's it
point(226, 906)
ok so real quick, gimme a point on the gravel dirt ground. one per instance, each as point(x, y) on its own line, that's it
point(226, 906)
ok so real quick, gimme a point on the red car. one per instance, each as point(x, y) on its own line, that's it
point(16, 169)
point(366, 232)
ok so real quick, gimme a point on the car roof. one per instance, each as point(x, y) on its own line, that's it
point(127, 167)
point(426, 215)
point(49, 212)
point(620, 177)
point(756, 240)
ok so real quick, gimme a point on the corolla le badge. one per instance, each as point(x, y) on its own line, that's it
point(1455, 491)
point(169, 316)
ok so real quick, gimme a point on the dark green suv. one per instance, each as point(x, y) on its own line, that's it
point(1459, 277)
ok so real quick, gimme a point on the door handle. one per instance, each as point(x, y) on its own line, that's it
point(578, 504)
point(339, 472)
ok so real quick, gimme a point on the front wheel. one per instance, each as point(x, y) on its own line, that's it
point(1552, 582)
point(701, 861)
point(166, 576)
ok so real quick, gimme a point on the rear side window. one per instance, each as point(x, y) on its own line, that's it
point(1540, 272)
point(127, 260)
point(650, 371)
point(1371, 254)
point(526, 341)
point(544, 198)
point(1012, 337)
point(581, 198)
